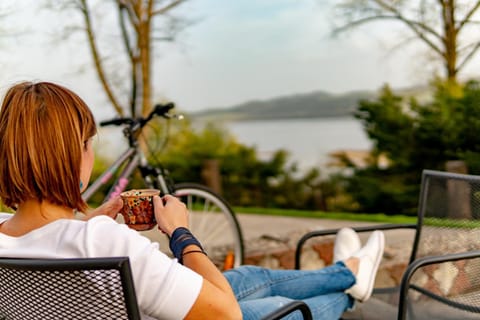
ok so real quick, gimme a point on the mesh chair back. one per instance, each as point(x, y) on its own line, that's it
point(97, 288)
point(448, 213)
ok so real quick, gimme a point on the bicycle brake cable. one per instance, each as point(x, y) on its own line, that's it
point(153, 150)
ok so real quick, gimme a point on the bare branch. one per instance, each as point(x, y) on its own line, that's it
point(164, 39)
point(468, 57)
point(468, 16)
point(412, 24)
point(387, 7)
point(123, 28)
point(167, 7)
point(132, 14)
point(122, 10)
point(97, 60)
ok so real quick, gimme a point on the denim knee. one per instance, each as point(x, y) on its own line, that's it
point(243, 270)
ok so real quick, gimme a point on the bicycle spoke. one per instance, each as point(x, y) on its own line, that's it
point(213, 223)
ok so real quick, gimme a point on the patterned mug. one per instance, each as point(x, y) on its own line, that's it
point(137, 208)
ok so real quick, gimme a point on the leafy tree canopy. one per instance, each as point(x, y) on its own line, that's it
point(415, 136)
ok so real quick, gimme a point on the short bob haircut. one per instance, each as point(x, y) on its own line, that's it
point(43, 130)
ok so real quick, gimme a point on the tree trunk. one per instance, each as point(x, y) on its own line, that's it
point(211, 175)
point(458, 192)
point(450, 39)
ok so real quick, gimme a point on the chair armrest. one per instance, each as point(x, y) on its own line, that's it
point(319, 233)
point(422, 262)
point(289, 308)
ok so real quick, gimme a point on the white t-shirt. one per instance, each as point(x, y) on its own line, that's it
point(165, 289)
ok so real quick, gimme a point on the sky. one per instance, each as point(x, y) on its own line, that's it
point(235, 51)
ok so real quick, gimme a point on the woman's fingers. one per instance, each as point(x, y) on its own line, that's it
point(110, 208)
point(170, 214)
point(157, 202)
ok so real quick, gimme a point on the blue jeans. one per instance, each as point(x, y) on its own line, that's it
point(260, 291)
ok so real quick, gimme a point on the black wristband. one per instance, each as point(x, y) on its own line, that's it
point(193, 251)
point(181, 238)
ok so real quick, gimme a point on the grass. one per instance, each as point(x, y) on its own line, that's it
point(452, 223)
point(367, 217)
point(376, 217)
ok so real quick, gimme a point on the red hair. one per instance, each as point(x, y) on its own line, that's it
point(43, 127)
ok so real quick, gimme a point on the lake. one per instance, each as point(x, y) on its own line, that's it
point(309, 141)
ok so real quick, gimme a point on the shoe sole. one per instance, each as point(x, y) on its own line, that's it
point(378, 259)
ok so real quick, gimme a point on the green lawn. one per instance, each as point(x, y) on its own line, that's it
point(377, 217)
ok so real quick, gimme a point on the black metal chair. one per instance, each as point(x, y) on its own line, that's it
point(97, 288)
point(87, 288)
point(442, 280)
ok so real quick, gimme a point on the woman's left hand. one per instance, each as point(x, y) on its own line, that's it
point(110, 208)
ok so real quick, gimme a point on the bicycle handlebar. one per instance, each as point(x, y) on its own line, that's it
point(116, 122)
point(159, 110)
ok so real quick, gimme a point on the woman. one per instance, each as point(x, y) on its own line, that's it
point(47, 157)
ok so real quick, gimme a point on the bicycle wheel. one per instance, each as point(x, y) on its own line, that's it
point(214, 223)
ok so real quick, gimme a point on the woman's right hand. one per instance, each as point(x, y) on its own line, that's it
point(170, 213)
point(110, 208)
point(216, 297)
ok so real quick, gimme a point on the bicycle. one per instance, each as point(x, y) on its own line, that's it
point(212, 220)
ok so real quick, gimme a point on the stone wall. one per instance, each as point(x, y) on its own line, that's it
point(279, 253)
point(445, 279)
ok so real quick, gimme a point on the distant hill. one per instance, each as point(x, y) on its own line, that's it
point(318, 104)
point(306, 105)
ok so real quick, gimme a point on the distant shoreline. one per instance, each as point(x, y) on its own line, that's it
point(220, 118)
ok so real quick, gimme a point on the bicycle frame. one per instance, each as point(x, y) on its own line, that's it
point(132, 158)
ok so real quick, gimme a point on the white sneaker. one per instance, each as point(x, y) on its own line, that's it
point(369, 260)
point(346, 244)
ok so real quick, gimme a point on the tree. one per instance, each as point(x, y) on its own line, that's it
point(442, 25)
point(414, 137)
point(135, 31)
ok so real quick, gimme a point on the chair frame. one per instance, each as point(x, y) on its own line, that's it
point(425, 261)
point(290, 308)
